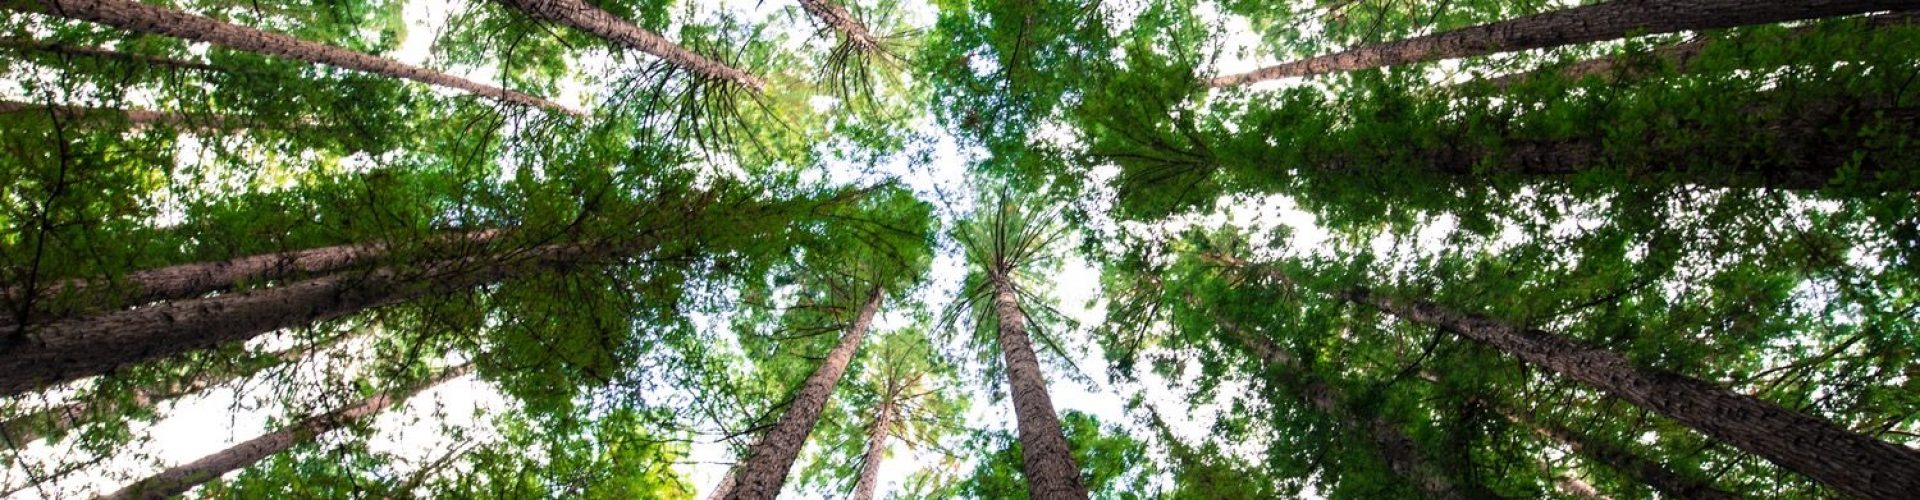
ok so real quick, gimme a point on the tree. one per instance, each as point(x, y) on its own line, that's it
point(584, 17)
point(136, 16)
point(902, 399)
point(1590, 23)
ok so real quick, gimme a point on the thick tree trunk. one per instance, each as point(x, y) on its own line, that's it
point(1679, 56)
point(135, 16)
point(842, 21)
point(68, 350)
point(1051, 472)
point(33, 426)
point(79, 51)
point(585, 17)
point(196, 279)
point(1668, 482)
point(869, 479)
point(720, 491)
point(1846, 461)
point(765, 470)
point(180, 478)
point(1605, 21)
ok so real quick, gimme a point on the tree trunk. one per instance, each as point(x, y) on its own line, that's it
point(135, 116)
point(768, 462)
point(842, 21)
point(1678, 55)
point(1569, 484)
point(869, 479)
point(180, 478)
point(1605, 21)
point(135, 16)
point(74, 50)
point(70, 349)
point(196, 279)
point(33, 426)
point(1846, 461)
point(1048, 462)
point(1394, 447)
point(727, 482)
point(1668, 482)
point(584, 17)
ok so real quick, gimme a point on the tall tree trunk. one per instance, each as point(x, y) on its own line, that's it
point(1846, 461)
point(33, 426)
point(135, 16)
point(1677, 55)
point(1401, 454)
point(70, 349)
point(768, 462)
point(1048, 462)
point(1569, 484)
point(28, 44)
point(727, 482)
point(877, 433)
point(132, 115)
point(1668, 482)
point(842, 21)
point(585, 17)
point(1592, 23)
point(180, 478)
point(200, 278)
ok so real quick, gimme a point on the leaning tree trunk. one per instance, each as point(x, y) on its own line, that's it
point(70, 349)
point(134, 116)
point(1048, 462)
point(33, 426)
point(869, 478)
point(1668, 482)
point(135, 16)
point(768, 462)
point(1678, 56)
point(1844, 460)
point(1592, 23)
point(727, 482)
point(29, 44)
point(200, 278)
point(585, 17)
point(842, 21)
point(180, 478)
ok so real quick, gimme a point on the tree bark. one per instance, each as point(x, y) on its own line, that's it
point(94, 52)
point(1605, 21)
point(196, 279)
point(768, 462)
point(584, 17)
point(1051, 472)
point(132, 115)
point(1668, 482)
point(869, 479)
point(180, 478)
point(842, 21)
point(135, 16)
point(70, 349)
point(33, 426)
point(727, 482)
point(1846, 461)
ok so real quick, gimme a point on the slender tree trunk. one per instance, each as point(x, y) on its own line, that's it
point(1679, 56)
point(33, 426)
point(135, 16)
point(1846, 461)
point(768, 462)
point(1051, 472)
point(133, 115)
point(584, 17)
point(196, 279)
point(79, 51)
point(70, 349)
point(180, 478)
point(842, 21)
point(1569, 484)
point(1668, 482)
point(869, 479)
point(1592, 23)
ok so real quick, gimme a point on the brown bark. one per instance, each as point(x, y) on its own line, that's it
point(768, 462)
point(196, 279)
point(33, 426)
point(842, 21)
point(180, 478)
point(584, 17)
point(877, 433)
point(727, 482)
point(135, 116)
point(1827, 453)
point(1051, 472)
point(80, 51)
point(135, 16)
point(70, 349)
point(1668, 482)
point(1605, 21)
point(1678, 56)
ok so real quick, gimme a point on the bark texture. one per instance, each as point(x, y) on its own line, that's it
point(180, 478)
point(1846, 461)
point(135, 116)
point(28, 44)
point(135, 16)
point(842, 21)
point(71, 349)
point(727, 481)
point(765, 470)
point(1678, 56)
point(877, 433)
point(1605, 21)
point(584, 17)
point(1668, 482)
point(1051, 472)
